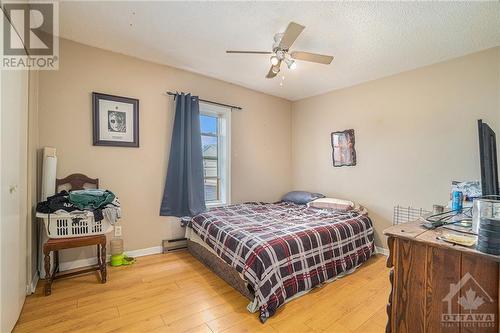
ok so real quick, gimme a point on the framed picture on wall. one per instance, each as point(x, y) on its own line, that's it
point(343, 152)
point(115, 120)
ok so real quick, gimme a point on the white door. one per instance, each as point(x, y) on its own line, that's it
point(13, 210)
point(13, 194)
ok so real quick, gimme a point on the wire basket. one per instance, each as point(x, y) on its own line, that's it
point(407, 214)
point(74, 225)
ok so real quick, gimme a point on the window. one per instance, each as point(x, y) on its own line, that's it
point(215, 122)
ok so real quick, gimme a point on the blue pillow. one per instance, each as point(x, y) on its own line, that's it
point(301, 197)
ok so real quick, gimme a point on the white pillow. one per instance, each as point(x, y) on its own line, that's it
point(332, 203)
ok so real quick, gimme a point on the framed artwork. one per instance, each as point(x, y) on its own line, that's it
point(115, 120)
point(343, 151)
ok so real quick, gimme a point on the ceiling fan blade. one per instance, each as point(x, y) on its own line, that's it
point(249, 52)
point(291, 33)
point(312, 57)
point(271, 74)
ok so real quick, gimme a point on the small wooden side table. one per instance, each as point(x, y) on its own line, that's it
point(57, 244)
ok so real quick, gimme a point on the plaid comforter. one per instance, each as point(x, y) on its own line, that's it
point(282, 249)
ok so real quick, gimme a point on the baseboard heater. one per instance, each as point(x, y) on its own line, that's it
point(170, 245)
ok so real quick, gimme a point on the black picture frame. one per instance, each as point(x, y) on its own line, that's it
point(347, 154)
point(96, 116)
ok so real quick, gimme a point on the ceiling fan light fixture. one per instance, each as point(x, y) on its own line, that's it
point(280, 52)
point(274, 60)
point(291, 64)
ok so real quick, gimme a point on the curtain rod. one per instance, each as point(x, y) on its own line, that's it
point(211, 102)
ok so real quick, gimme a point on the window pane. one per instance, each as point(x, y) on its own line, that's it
point(211, 189)
point(208, 124)
point(209, 146)
point(210, 168)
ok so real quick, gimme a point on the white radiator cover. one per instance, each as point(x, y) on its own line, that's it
point(174, 244)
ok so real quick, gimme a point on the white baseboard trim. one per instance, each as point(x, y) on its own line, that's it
point(30, 288)
point(145, 252)
point(382, 250)
point(68, 265)
point(65, 266)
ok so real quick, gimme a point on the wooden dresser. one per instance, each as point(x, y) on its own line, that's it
point(439, 287)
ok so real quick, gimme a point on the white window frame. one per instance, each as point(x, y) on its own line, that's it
point(223, 115)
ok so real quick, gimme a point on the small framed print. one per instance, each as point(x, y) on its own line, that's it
point(115, 120)
point(344, 153)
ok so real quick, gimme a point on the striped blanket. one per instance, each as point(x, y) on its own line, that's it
point(283, 249)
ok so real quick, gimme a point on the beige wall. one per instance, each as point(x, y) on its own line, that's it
point(415, 133)
point(260, 147)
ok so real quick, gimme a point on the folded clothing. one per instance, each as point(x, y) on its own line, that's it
point(56, 202)
point(112, 212)
point(101, 203)
point(91, 198)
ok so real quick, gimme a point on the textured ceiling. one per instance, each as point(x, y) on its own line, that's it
point(369, 40)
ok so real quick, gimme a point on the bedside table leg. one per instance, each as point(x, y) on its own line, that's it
point(99, 255)
point(56, 262)
point(103, 263)
point(48, 276)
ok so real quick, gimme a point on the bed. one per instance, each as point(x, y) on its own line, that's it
point(273, 253)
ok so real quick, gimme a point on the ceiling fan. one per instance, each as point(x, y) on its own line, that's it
point(281, 51)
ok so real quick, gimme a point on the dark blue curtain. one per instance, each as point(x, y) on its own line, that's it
point(184, 189)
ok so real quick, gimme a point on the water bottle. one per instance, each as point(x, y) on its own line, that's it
point(457, 200)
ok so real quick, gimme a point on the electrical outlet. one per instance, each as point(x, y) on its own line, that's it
point(118, 230)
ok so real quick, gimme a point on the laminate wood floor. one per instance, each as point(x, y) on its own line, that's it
point(175, 293)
